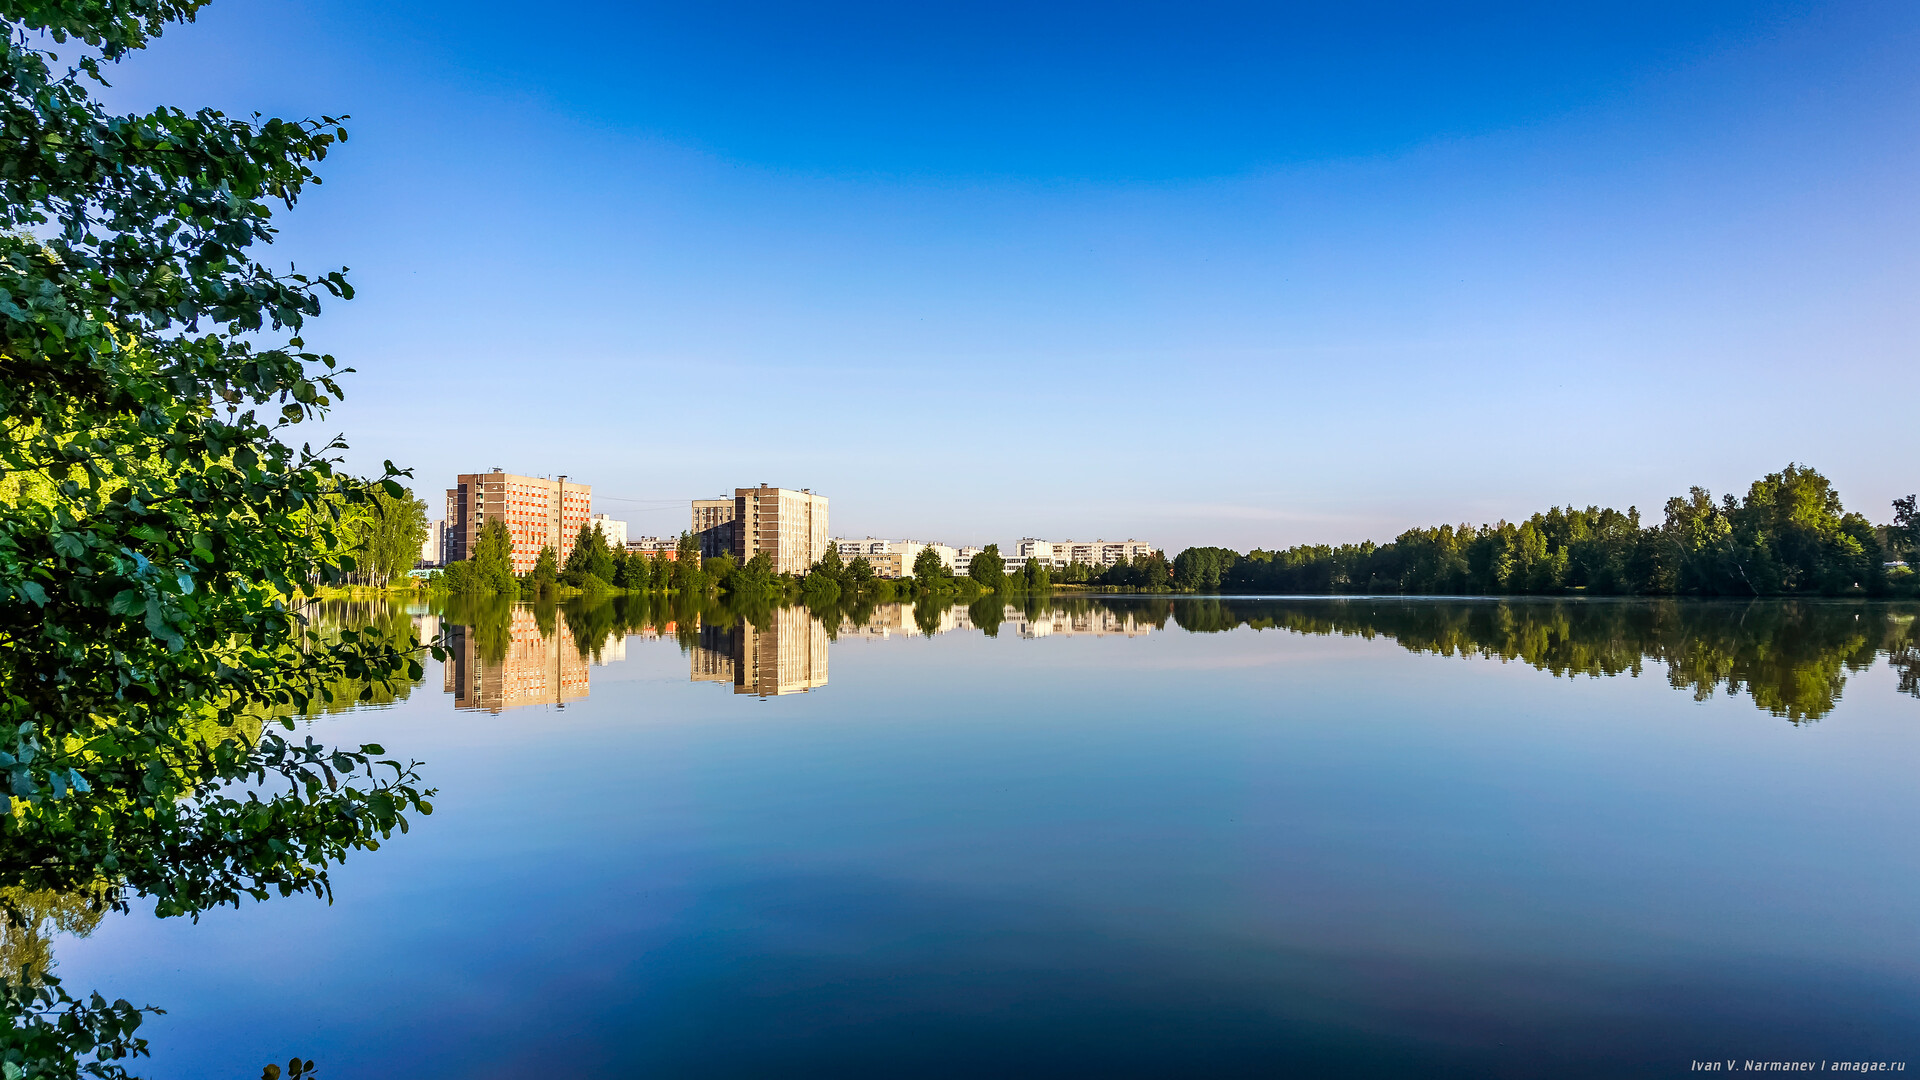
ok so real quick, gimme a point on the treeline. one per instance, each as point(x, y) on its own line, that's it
point(593, 567)
point(1789, 535)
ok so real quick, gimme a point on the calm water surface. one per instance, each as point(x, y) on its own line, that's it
point(1238, 837)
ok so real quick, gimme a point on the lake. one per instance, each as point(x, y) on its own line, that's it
point(1118, 837)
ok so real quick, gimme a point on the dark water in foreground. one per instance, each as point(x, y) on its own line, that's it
point(1245, 837)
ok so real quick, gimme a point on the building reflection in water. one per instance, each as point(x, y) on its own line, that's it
point(788, 656)
point(537, 668)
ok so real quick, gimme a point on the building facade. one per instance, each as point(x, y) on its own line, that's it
point(892, 558)
point(789, 527)
point(713, 526)
point(433, 550)
point(962, 564)
point(1059, 554)
point(536, 510)
point(614, 531)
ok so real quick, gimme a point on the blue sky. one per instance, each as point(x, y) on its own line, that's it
point(1237, 274)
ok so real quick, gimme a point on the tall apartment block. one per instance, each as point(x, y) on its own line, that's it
point(789, 526)
point(537, 512)
point(713, 526)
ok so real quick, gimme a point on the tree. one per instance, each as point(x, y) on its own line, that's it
point(1906, 530)
point(859, 572)
point(928, 570)
point(1035, 577)
point(830, 565)
point(491, 565)
point(600, 556)
point(389, 532)
point(636, 573)
point(988, 568)
point(1201, 569)
point(579, 559)
point(546, 570)
point(158, 533)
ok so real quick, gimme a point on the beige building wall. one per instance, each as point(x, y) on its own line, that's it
point(789, 526)
point(713, 526)
point(612, 528)
point(891, 558)
point(537, 512)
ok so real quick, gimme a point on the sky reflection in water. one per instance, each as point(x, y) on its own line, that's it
point(1334, 837)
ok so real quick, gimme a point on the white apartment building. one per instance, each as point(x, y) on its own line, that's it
point(433, 549)
point(614, 531)
point(963, 561)
point(1059, 554)
point(892, 558)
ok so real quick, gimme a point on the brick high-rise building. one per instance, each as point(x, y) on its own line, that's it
point(537, 512)
point(789, 526)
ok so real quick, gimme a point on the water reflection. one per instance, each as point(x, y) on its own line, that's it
point(785, 652)
point(1793, 659)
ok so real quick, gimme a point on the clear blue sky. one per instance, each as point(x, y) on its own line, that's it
point(1237, 274)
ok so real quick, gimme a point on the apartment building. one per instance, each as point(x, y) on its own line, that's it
point(713, 526)
point(614, 531)
point(536, 510)
point(790, 527)
point(433, 549)
point(963, 561)
point(667, 546)
point(1059, 554)
point(892, 558)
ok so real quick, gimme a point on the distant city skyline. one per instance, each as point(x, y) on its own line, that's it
point(1208, 274)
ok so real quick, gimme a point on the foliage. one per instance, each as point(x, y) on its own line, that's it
point(1789, 535)
point(859, 572)
point(490, 570)
point(387, 533)
point(755, 580)
point(155, 526)
point(1035, 577)
point(635, 573)
point(830, 565)
point(1905, 532)
point(928, 570)
point(589, 558)
point(988, 568)
point(546, 571)
point(987, 613)
point(1202, 569)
